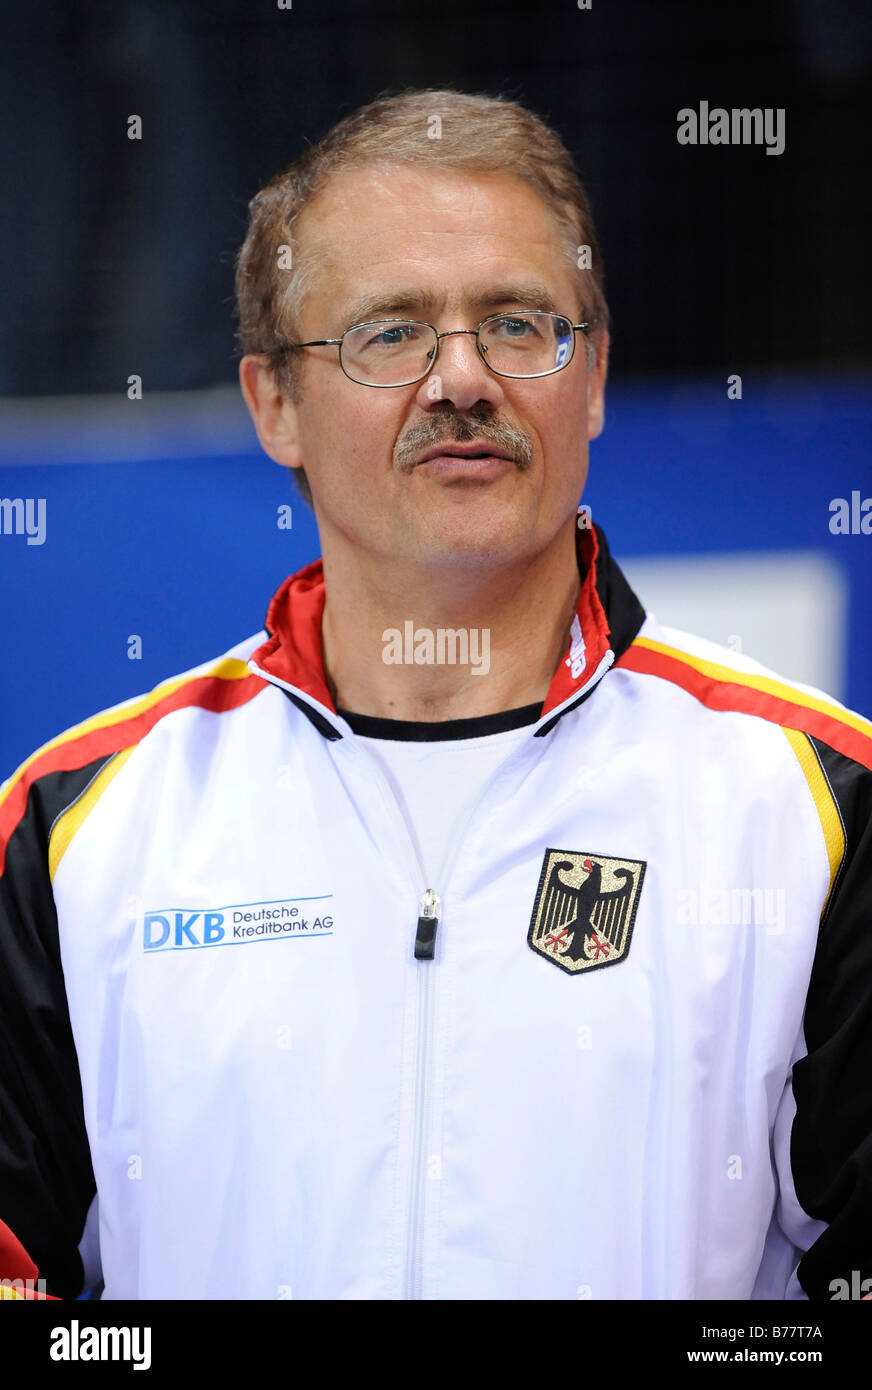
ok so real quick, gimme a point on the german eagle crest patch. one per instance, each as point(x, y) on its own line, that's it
point(585, 908)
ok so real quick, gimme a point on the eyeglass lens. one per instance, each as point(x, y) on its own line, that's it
point(395, 353)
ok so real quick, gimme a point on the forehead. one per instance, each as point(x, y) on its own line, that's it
point(455, 237)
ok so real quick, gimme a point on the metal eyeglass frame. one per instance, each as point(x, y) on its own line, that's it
point(452, 333)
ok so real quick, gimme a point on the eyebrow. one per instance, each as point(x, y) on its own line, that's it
point(396, 303)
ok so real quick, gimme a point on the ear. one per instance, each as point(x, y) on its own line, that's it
point(596, 387)
point(274, 414)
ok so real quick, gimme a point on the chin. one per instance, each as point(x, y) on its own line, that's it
point(493, 536)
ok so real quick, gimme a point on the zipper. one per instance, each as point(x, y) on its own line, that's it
point(413, 1277)
point(429, 903)
point(428, 921)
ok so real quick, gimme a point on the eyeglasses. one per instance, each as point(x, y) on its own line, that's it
point(399, 352)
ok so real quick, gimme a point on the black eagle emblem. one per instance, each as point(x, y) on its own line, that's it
point(585, 909)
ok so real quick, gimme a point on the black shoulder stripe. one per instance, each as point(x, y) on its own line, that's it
point(831, 1140)
point(46, 1178)
point(622, 608)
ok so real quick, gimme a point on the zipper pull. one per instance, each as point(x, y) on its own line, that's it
point(428, 921)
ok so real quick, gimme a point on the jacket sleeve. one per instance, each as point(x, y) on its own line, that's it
point(830, 1144)
point(46, 1178)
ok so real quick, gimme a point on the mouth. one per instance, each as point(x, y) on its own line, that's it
point(480, 462)
point(464, 451)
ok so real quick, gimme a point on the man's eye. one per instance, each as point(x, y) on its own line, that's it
point(392, 337)
point(515, 328)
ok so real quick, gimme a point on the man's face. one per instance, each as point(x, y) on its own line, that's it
point(449, 248)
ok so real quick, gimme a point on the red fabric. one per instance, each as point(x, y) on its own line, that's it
point(293, 653)
point(594, 627)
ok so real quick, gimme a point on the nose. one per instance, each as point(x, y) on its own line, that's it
point(459, 375)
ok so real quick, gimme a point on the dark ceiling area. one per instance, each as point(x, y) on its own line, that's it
point(118, 253)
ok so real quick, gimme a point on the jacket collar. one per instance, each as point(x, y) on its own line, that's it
point(607, 618)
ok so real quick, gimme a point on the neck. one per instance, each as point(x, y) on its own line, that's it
point(389, 636)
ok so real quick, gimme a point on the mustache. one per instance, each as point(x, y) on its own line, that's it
point(479, 426)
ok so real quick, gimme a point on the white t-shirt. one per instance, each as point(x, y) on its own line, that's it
point(437, 780)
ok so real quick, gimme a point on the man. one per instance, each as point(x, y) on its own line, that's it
point(567, 992)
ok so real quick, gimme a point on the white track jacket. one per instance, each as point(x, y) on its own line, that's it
point(630, 1058)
